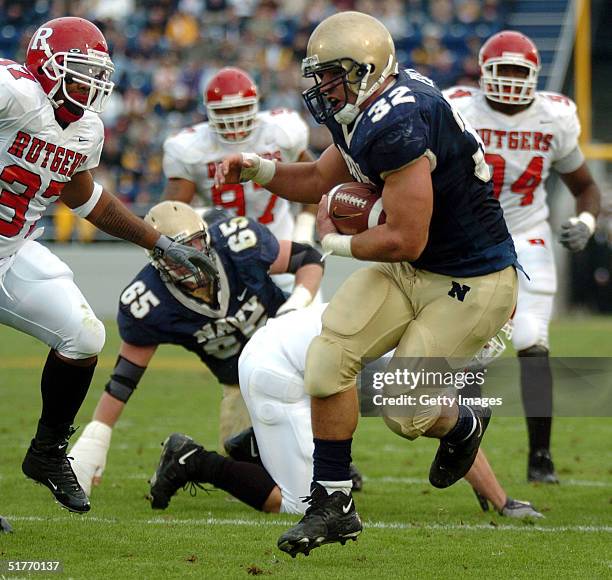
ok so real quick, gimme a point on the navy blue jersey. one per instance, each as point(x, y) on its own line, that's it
point(467, 235)
point(152, 312)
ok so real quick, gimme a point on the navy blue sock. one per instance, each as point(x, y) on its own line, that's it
point(465, 426)
point(332, 460)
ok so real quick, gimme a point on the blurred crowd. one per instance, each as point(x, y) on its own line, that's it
point(166, 50)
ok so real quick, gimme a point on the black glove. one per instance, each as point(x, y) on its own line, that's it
point(574, 235)
point(197, 262)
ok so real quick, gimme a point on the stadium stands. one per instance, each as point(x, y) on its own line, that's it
point(166, 50)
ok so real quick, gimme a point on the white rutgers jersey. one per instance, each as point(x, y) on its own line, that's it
point(521, 149)
point(193, 154)
point(37, 156)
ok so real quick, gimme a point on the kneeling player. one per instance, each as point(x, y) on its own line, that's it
point(271, 370)
point(166, 305)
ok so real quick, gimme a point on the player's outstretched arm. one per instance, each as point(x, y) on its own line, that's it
point(575, 233)
point(304, 182)
point(108, 214)
point(90, 451)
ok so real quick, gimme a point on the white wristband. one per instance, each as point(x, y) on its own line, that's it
point(338, 245)
point(304, 228)
point(262, 172)
point(588, 219)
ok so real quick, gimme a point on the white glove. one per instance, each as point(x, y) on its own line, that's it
point(300, 298)
point(89, 454)
point(576, 232)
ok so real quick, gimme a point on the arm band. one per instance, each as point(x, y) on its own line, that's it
point(302, 255)
point(124, 379)
point(338, 245)
point(262, 172)
point(572, 161)
point(85, 209)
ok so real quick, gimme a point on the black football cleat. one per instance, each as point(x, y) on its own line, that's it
point(46, 463)
point(356, 478)
point(329, 519)
point(171, 473)
point(541, 468)
point(243, 447)
point(453, 460)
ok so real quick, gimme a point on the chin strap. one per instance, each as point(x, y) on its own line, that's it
point(349, 112)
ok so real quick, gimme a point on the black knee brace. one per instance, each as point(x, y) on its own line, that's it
point(124, 379)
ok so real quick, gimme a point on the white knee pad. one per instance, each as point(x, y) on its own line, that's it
point(270, 391)
point(530, 323)
point(87, 341)
point(526, 332)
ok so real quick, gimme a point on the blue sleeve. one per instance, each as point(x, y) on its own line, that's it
point(400, 143)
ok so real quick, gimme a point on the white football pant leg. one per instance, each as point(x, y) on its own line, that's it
point(536, 296)
point(39, 297)
point(89, 453)
point(280, 413)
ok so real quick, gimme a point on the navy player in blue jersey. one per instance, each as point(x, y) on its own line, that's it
point(213, 318)
point(445, 278)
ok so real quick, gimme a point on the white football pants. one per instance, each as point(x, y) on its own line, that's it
point(535, 296)
point(280, 412)
point(39, 297)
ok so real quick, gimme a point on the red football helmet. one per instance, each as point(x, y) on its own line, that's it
point(71, 50)
point(232, 88)
point(509, 48)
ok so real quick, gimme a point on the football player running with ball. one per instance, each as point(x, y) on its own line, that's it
point(526, 134)
point(213, 318)
point(445, 281)
point(51, 138)
point(235, 123)
point(271, 371)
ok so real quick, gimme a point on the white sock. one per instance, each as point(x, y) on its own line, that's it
point(332, 486)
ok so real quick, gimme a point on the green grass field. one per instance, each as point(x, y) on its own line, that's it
point(411, 529)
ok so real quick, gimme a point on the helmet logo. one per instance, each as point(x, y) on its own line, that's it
point(39, 40)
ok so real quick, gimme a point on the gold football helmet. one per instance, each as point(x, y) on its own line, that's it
point(360, 49)
point(181, 222)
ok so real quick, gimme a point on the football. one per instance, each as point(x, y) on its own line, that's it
point(355, 207)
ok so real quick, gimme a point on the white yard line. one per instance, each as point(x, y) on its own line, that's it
point(277, 523)
point(419, 480)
